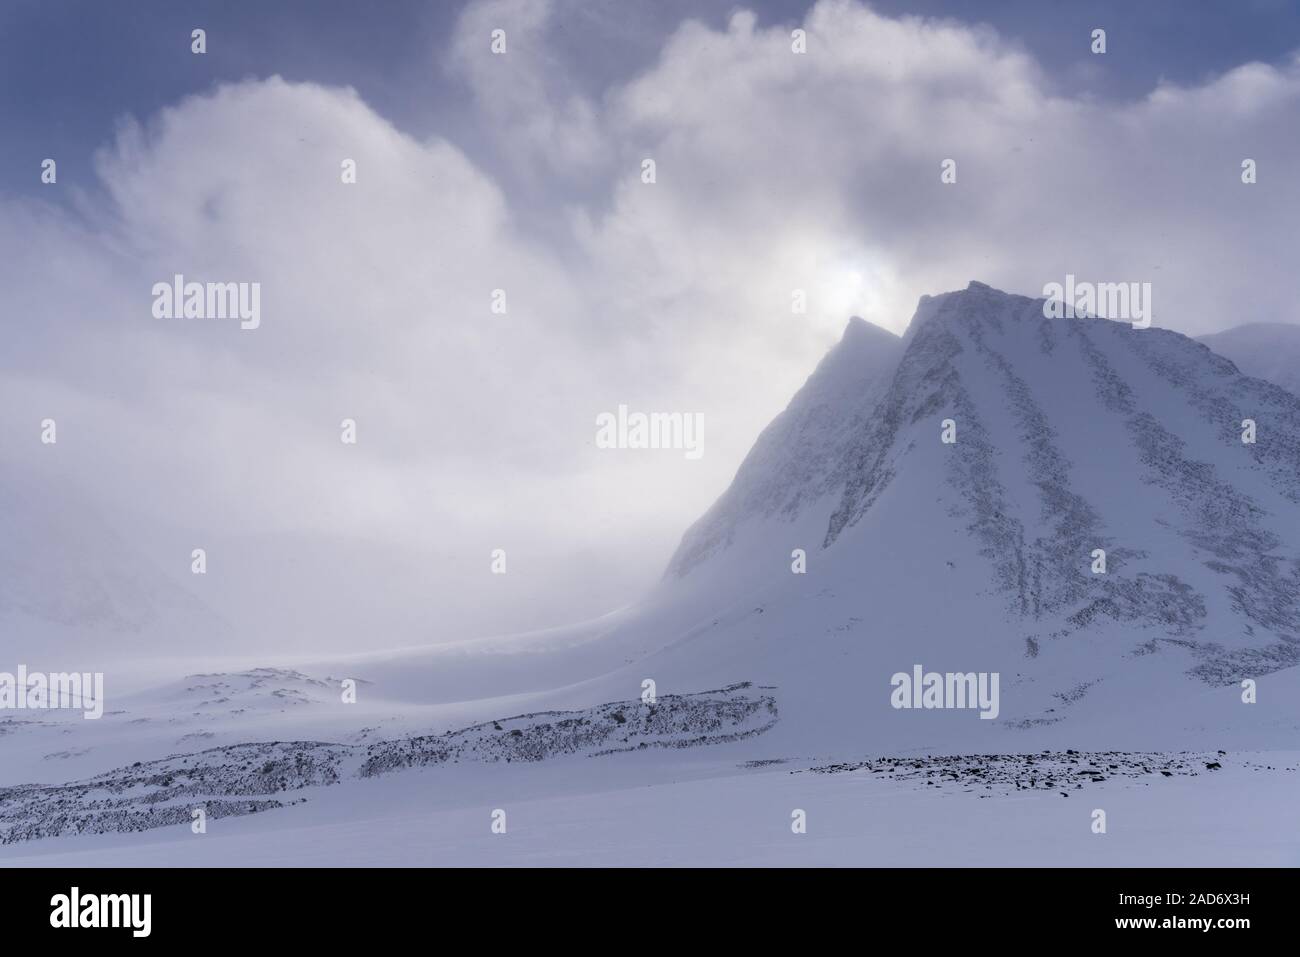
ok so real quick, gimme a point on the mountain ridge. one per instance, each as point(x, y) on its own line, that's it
point(1072, 435)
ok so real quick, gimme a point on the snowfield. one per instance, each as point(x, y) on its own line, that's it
point(637, 811)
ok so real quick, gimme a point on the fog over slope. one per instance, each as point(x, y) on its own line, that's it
point(1265, 350)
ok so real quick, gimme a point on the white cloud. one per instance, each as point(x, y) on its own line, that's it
point(525, 95)
point(775, 171)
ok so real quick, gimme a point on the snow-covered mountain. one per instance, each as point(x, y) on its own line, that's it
point(1071, 436)
point(1265, 350)
point(979, 555)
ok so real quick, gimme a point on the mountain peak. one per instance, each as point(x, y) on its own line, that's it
point(803, 453)
point(860, 330)
point(976, 302)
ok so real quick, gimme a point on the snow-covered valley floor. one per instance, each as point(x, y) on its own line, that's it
point(706, 809)
point(287, 775)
